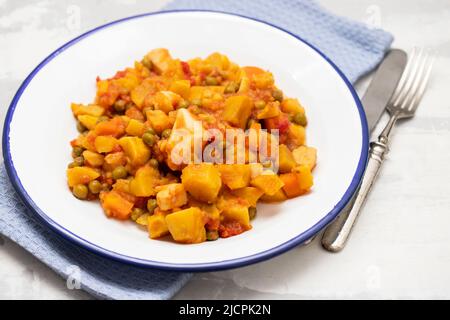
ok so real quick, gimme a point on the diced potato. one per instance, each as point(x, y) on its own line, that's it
point(218, 60)
point(139, 93)
point(185, 120)
point(263, 81)
point(93, 158)
point(135, 149)
point(286, 159)
point(235, 176)
point(115, 205)
point(237, 110)
point(305, 177)
point(187, 226)
point(250, 194)
point(171, 196)
point(91, 110)
point(271, 110)
point(158, 120)
point(81, 175)
point(144, 182)
point(306, 156)
point(102, 87)
point(122, 185)
point(212, 215)
point(200, 92)
point(166, 100)
point(202, 181)
point(251, 71)
point(292, 106)
point(269, 183)
point(161, 59)
point(88, 141)
point(235, 211)
point(297, 134)
point(88, 121)
point(135, 128)
point(105, 144)
point(298, 182)
point(107, 92)
point(245, 85)
point(157, 226)
point(181, 87)
point(128, 82)
point(115, 159)
point(210, 210)
point(277, 197)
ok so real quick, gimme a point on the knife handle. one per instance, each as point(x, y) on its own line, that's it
point(337, 233)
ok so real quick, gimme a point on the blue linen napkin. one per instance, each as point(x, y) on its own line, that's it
point(355, 48)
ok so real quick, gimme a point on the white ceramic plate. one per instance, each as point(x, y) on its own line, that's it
point(39, 126)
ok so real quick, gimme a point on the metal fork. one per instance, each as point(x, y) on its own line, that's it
point(402, 105)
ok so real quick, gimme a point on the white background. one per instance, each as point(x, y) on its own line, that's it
point(401, 246)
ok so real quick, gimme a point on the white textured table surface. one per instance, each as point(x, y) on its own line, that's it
point(401, 246)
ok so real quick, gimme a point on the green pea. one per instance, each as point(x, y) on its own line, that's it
point(252, 212)
point(212, 235)
point(277, 94)
point(77, 151)
point(80, 127)
point(79, 161)
point(149, 139)
point(183, 104)
point(151, 131)
point(300, 119)
point(119, 173)
point(260, 104)
point(151, 205)
point(154, 163)
point(211, 81)
point(120, 106)
point(166, 134)
point(95, 186)
point(80, 191)
point(136, 213)
point(231, 87)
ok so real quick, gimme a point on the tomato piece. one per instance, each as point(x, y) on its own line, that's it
point(186, 69)
point(280, 122)
point(230, 229)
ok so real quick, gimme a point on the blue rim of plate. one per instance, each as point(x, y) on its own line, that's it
point(187, 267)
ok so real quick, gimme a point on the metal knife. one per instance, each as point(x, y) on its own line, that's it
point(374, 102)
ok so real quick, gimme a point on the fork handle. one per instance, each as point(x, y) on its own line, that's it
point(337, 233)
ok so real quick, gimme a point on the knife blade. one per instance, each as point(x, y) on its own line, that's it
point(374, 102)
point(383, 85)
